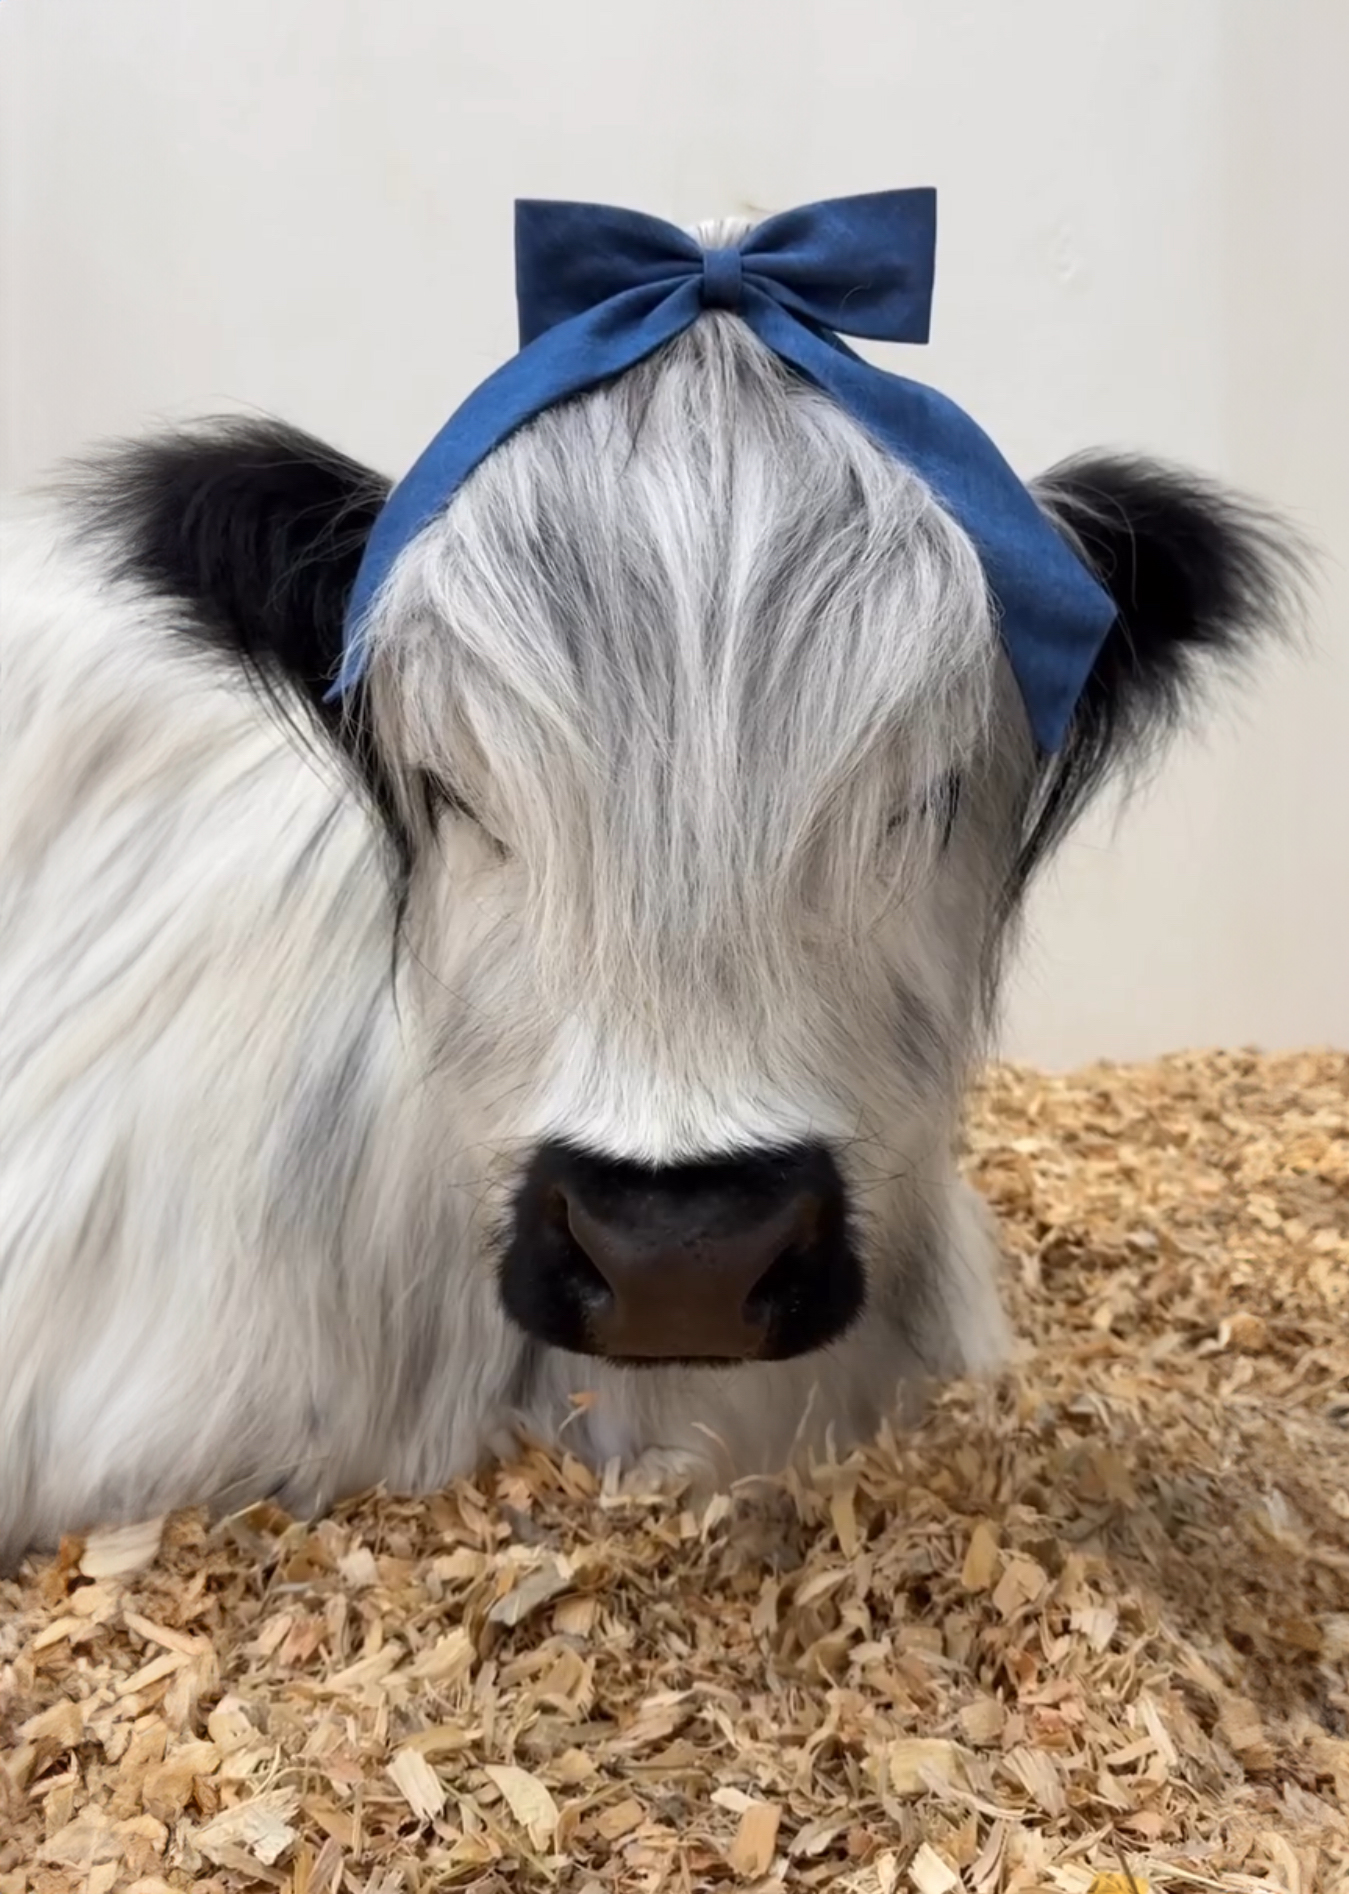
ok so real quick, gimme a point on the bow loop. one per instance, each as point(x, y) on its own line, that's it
point(862, 266)
point(570, 259)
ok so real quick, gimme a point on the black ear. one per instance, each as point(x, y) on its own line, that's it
point(256, 527)
point(1203, 579)
point(256, 530)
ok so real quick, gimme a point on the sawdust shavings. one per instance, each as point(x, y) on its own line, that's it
point(1091, 1622)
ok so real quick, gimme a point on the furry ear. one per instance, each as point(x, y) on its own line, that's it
point(256, 530)
point(256, 527)
point(1203, 579)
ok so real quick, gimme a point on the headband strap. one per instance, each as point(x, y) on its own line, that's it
point(601, 289)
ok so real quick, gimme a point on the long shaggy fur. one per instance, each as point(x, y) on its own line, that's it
point(709, 797)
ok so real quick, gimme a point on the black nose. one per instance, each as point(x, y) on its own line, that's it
point(737, 1259)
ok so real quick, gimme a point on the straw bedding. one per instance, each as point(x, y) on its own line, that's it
point(1090, 1623)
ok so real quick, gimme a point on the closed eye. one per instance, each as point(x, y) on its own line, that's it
point(940, 805)
point(442, 799)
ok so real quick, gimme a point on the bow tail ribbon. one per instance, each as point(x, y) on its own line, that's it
point(1053, 614)
point(564, 361)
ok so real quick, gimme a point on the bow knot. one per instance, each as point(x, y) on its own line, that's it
point(600, 289)
point(723, 279)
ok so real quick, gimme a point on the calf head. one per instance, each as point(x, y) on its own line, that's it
point(711, 804)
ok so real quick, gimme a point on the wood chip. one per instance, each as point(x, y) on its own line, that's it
point(259, 1830)
point(916, 1763)
point(619, 1820)
point(981, 1559)
point(983, 1720)
point(751, 1853)
point(930, 1874)
point(162, 1635)
point(418, 1784)
point(118, 1551)
point(449, 1660)
point(528, 1800)
point(1091, 1616)
point(534, 1590)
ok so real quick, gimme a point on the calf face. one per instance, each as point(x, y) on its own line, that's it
point(708, 804)
point(720, 801)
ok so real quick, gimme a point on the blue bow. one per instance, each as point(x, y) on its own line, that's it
point(600, 289)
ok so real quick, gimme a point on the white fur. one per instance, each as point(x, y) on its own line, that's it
point(687, 647)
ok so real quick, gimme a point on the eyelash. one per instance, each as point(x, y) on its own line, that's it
point(941, 803)
point(439, 799)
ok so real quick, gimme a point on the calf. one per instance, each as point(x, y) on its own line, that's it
point(581, 1003)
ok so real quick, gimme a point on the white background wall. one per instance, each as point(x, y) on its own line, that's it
point(304, 206)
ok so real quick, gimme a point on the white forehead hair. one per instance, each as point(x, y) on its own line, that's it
point(683, 643)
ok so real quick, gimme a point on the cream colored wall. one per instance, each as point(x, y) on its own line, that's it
point(1217, 912)
point(304, 206)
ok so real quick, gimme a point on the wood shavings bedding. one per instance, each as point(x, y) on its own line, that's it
point(1084, 1630)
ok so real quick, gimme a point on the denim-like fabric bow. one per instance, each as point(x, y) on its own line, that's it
point(600, 289)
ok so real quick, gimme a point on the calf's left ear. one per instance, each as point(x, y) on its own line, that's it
point(1203, 578)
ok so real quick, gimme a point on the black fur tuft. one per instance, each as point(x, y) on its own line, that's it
point(1203, 579)
point(258, 529)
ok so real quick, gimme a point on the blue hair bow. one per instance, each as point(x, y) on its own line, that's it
point(600, 289)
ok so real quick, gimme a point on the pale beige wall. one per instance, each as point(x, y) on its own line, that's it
point(1217, 912)
point(303, 206)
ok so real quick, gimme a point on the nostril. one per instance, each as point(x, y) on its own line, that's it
point(585, 1278)
point(781, 1291)
point(593, 1240)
